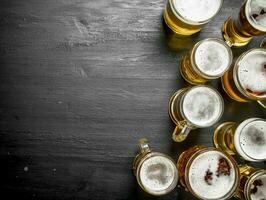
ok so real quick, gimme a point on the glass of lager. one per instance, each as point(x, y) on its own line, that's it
point(246, 80)
point(156, 173)
point(252, 183)
point(208, 173)
point(251, 21)
point(194, 107)
point(208, 59)
point(247, 139)
point(186, 17)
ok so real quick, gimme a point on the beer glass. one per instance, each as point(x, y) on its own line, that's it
point(246, 139)
point(251, 21)
point(246, 80)
point(208, 59)
point(155, 172)
point(186, 17)
point(208, 173)
point(252, 183)
point(194, 107)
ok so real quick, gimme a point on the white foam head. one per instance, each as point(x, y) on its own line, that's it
point(158, 174)
point(208, 179)
point(202, 106)
point(197, 11)
point(258, 187)
point(251, 70)
point(212, 57)
point(250, 139)
point(256, 14)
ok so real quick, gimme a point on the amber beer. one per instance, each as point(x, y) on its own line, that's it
point(155, 172)
point(246, 139)
point(251, 21)
point(208, 173)
point(208, 59)
point(252, 183)
point(194, 107)
point(186, 17)
point(246, 80)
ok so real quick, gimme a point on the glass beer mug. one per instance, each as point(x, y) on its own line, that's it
point(246, 139)
point(208, 173)
point(251, 21)
point(155, 172)
point(246, 80)
point(252, 183)
point(208, 59)
point(186, 17)
point(194, 107)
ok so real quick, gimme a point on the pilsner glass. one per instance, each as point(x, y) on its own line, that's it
point(251, 21)
point(208, 59)
point(186, 17)
point(247, 139)
point(252, 183)
point(208, 173)
point(194, 107)
point(155, 172)
point(246, 80)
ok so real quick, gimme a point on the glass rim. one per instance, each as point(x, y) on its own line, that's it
point(221, 103)
point(230, 158)
point(250, 180)
point(241, 89)
point(193, 62)
point(249, 19)
point(161, 192)
point(247, 121)
point(179, 16)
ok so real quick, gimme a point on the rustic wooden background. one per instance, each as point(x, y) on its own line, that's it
point(80, 82)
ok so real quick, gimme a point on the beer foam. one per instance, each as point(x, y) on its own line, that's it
point(197, 11)
point(212, 58)
point(202, 106)
point(252, 72)
point(259, 190)
point(256, 14)
point(158, 174)
point(250, 139)
point(204, 179)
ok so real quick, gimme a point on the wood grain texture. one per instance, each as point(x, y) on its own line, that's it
point(80, 82)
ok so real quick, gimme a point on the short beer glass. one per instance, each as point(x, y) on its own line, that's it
point(246, 80)
point(194, 107)
point(252, 183)
point(208, 173)
point(155, 172)
point(250, 22)
point(246, 139)
point(186, 17)
point(208, 59)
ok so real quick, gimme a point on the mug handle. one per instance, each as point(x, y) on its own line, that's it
point(262, 103)
point(263, 43)
point(181, 132)
point(144, 145)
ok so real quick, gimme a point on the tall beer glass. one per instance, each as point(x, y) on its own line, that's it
point(246, 139)
point(186, 17)
point(194, 107)
point(156, 173)
point(208, 173)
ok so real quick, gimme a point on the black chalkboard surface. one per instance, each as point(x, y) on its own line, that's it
point(80, 82)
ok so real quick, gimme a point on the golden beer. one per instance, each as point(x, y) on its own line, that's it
point(252, 183)
point(251, 21)
point(246, 80)
point(246, 139)
point(155, 172)
point(208, 173)
point(194, 107)
point(186, 17)
point(208, 59)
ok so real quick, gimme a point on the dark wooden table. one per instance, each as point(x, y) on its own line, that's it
point(80, 82)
